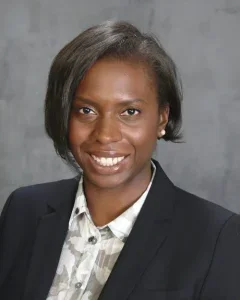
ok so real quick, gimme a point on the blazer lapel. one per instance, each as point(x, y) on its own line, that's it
point(50, 236)
point(143, 241)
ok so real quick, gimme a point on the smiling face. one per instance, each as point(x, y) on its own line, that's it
point(114, 123)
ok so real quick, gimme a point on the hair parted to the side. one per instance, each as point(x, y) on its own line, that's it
point(109, 39)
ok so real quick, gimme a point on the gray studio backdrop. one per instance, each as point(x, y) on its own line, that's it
point(203, 37)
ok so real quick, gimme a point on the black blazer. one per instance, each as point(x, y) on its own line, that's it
point(181, 247)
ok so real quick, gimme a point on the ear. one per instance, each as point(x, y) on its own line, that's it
point(163, 120)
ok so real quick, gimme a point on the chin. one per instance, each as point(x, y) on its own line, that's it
point(106, 182)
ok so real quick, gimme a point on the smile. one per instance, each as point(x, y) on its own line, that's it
point(107, 161)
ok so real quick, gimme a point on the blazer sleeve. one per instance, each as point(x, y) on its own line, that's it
point(4, 212)
point(3, 237)
point(223, 278)
point(11, 238)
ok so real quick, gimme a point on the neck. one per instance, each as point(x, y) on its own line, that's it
point(107, 204)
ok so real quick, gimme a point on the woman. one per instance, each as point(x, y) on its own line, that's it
point(121, 229)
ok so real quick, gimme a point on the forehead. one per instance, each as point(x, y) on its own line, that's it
point(112, 77)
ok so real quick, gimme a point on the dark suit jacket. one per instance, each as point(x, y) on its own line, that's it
point(181, 246)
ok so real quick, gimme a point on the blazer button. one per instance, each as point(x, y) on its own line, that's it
point(92, 240)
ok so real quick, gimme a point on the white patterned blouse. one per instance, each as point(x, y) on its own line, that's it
point(89, 252)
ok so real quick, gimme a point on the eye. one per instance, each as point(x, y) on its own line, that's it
point(86, 111)
point(131, 112)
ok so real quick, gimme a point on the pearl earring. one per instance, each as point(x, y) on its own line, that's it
point(163, 132)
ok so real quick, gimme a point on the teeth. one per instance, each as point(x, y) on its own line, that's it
point(107, 161)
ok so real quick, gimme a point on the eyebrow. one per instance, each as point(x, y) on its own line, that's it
point(124, 102)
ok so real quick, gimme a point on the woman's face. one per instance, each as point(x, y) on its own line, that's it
point(114, 123)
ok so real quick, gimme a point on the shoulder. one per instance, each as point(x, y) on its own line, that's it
point(26, 206)
point(31, 200)
point(208, 226)
point(200, 214)
point(195, 204)
point(43, 189)
point(189, 209)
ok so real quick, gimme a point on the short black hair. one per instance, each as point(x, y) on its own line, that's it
point(108, 39)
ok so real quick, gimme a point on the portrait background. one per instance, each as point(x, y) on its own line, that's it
point(203, 38)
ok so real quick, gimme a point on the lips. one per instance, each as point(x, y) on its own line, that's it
point(107, 159)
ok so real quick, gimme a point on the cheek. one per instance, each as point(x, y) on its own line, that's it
point(147, 131)
point(144, 138)
point(76, 133)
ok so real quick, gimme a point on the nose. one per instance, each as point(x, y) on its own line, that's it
point(108, 130)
